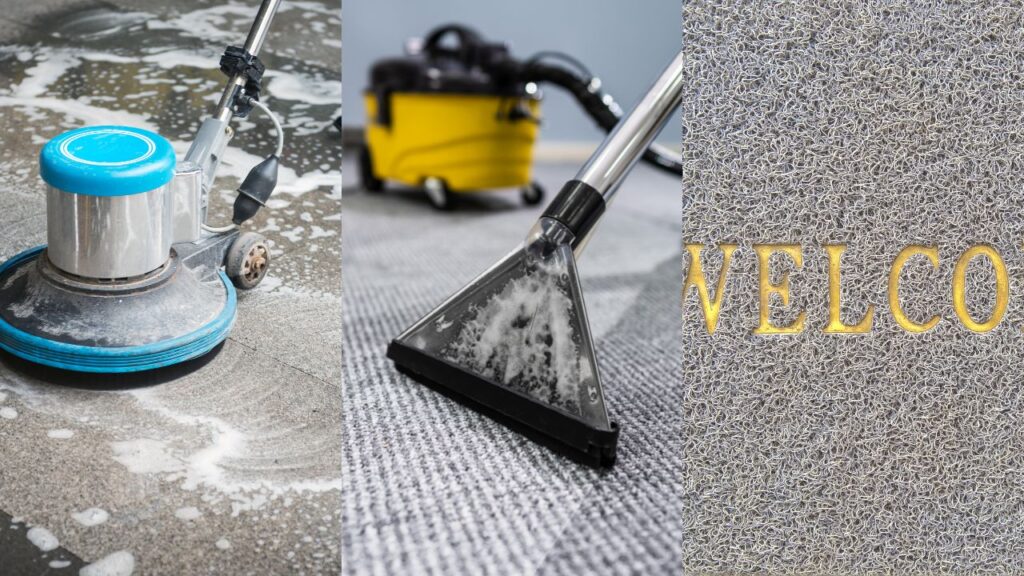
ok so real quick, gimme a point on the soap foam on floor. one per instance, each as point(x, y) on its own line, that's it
point(91, 517)
point(203, 453)
point(209, 467)
point(146, 456)
point(42, 538)
point(187, 513)
point(187, 450)
point(30, 95)
point(120, 563)
point(46, 68)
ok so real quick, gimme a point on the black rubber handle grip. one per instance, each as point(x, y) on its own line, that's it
point(468, 40)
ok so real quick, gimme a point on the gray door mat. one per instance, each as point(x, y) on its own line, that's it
point(878, 125)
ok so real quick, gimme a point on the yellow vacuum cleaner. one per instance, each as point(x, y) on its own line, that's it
point(441, 123)
point(463, 116)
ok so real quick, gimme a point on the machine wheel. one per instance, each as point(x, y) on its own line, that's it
point(532, 193)
point(440, 195)
point(247, 260)
point(370, 182)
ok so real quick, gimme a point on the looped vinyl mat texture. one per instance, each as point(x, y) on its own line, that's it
point(875, 125)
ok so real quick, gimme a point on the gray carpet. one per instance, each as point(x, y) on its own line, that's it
point(879, 125)
point(432, 487)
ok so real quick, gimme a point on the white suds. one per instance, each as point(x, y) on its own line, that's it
point(523, 337)
point(270, 283)
point(42, 538)
point(207, 468)
point(301, 89)
point(61, 433)
point(443, 324)
point(295, 234)
point(120, 563)
point(187, 513)
point(146, 456)
point(31, 96)
point(318, 232)
point(8, 413)
point(48, 69)
point(91, 517)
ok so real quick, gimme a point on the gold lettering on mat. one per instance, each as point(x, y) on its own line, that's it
point(767, 287)
point(835, 323)
point(932, 252)
point(779, 260)
point(695, 279)
point(959, 286)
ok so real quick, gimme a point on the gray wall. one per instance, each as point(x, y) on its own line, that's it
point(625, 43)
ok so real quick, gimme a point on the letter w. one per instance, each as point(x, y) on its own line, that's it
point(695, 278)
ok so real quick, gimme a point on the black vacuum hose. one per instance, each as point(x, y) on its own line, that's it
point(594, 103)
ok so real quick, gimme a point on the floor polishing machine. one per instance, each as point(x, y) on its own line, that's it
point(132, 277)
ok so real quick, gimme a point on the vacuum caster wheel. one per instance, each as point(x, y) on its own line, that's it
point(370, 182)
point(247, 260)
point(439, 193)
point(532, 193)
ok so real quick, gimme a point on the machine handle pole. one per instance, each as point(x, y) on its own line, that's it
point(261, 26)
point(253, 45)
point(609, 165)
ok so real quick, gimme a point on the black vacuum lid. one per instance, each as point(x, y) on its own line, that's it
point(465, 64)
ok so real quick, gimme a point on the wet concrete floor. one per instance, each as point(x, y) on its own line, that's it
point(232, 464)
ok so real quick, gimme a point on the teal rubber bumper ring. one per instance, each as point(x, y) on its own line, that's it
point(119, 360)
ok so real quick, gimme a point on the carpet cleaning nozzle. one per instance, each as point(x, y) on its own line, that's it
point(515, 343)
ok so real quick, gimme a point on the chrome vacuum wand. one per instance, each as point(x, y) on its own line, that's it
point(621, 150)
point(582, 201)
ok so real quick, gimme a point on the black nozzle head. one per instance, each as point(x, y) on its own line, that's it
point(256, 189)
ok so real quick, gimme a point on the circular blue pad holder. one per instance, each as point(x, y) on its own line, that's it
point(27, 335)
point(107, 161)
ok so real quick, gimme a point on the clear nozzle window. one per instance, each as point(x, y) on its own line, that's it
point(522, 325)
